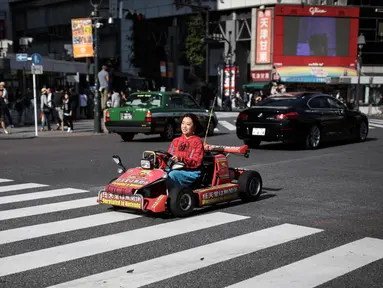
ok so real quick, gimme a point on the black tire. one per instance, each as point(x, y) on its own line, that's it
point(313, 138)
point(169, 132)
point(250, 186)
point(176, 205)
point(362, 131)
point(126, 137)
point(253, 144)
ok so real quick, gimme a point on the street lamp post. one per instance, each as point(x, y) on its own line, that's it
point(97, 98)
point(361, 42)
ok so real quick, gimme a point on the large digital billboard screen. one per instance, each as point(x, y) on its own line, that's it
point(324, 36)
point(316, 36)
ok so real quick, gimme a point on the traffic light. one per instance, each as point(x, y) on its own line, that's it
point(134, 16)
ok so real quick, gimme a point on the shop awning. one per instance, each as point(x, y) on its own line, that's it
point(255, 85)
point(309, 74)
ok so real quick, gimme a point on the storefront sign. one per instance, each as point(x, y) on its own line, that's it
point(82, 38)
point(316, 10)
point(261, 76)
point(263, 44)
point(229, 83)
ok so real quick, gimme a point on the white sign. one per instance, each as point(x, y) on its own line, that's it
point(316, 10)
point(37, 69)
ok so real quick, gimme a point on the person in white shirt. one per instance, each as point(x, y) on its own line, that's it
point(116, 99)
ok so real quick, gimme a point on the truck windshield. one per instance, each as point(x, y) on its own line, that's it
point(144, 100)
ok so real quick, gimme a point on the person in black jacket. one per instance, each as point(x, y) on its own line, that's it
point(67, 112)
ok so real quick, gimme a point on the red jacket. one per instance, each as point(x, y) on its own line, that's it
point(189, 150)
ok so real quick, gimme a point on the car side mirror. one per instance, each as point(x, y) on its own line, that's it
point(116, 159)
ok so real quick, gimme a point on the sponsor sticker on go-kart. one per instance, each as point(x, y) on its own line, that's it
point(129, 201)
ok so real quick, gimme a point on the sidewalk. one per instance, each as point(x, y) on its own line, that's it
point(81, 128)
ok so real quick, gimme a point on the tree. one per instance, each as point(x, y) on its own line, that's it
point(194, 43)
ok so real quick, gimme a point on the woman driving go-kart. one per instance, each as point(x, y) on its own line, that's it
point(189, 150)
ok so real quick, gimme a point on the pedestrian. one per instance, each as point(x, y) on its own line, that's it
point(2, 110)
point(6, 102)
point(67, 110)
point(84, 104)
point(45, 109)
point(116, 99)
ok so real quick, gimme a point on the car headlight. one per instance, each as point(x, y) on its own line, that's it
point(145, 164)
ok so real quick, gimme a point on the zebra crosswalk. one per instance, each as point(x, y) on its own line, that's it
point(375, 123)
point(30, 251)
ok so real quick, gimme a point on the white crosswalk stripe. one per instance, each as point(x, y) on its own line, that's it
point(310, 271)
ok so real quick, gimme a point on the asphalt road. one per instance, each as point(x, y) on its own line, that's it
point(314, 202)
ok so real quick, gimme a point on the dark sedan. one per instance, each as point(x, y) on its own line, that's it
point(310, 118)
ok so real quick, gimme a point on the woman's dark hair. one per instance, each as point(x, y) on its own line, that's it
point(198, 129)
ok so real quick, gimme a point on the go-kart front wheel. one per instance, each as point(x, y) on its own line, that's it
point(181, 201)
point(250, 186)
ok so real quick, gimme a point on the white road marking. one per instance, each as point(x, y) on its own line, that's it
point(165, 267)
point(47, 208)
point(321, 268)
point(370, 127)
point(228, 125)
point(375, 125)
point(5, 180)
point(51, 228)
point(45, 257)
point(40, 195)
point(16, 187)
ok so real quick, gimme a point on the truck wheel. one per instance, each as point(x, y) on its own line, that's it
point(127, 136)
point(181, 201)
point(250, 186)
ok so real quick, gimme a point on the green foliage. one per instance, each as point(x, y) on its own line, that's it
point(194, 43)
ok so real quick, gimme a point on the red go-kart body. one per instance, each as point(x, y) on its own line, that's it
point(146, 189)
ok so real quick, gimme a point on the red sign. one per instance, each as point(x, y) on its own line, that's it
point(261, 76)
point(264, 28)
point(284, 12)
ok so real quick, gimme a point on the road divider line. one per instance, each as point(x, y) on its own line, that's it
point(40, 195)
point(321, 268)
point(30, 232)
point(5, 180)
point(59, 254)
point(165, 267)
point(370, 127)
point(227, 125)
point(16, 187)
point(47, 208)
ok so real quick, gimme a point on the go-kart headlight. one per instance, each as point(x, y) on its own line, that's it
point(145, 164)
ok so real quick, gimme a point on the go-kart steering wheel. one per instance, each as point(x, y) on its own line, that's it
point(165, 158)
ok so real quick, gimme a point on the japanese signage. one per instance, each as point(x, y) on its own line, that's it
point(229, 83)
point(82, 38)
point(263, 44)
point(260, 76)
point(129, 201)
point(220, 195)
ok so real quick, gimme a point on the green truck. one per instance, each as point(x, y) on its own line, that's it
point(155, 113)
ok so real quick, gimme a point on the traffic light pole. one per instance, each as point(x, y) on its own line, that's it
point(97, 98)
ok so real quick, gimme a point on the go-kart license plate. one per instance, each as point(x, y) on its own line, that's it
point(128, 201)
point(126, 116)
point(259, 131)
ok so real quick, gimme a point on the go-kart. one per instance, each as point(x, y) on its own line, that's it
point(147, 187)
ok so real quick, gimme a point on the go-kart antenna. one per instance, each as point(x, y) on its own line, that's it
point(208, 124)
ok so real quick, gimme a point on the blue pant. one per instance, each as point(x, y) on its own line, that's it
point(184, 178)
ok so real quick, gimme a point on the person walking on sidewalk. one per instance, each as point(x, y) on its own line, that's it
point(45, 109)
point(2, 110)
point(6, 102)
point(67, 109)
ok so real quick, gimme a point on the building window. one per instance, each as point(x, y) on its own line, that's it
point(3, 30)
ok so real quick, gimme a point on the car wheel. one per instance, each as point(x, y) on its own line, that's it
point(127, 136)
point(250, 186)
point(181, 201)
point(169, 132)
point(252, 143)
point(362, 131)
point(313, 138)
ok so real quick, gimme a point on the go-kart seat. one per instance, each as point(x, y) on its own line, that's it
point(207, 170)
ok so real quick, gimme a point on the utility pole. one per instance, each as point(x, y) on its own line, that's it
point(97, 98)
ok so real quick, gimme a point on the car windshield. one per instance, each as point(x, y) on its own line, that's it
point(144, 100)
point(281, 101)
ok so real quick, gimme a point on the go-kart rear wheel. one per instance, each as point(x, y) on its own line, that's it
point(181, 201)
point(250, 186)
